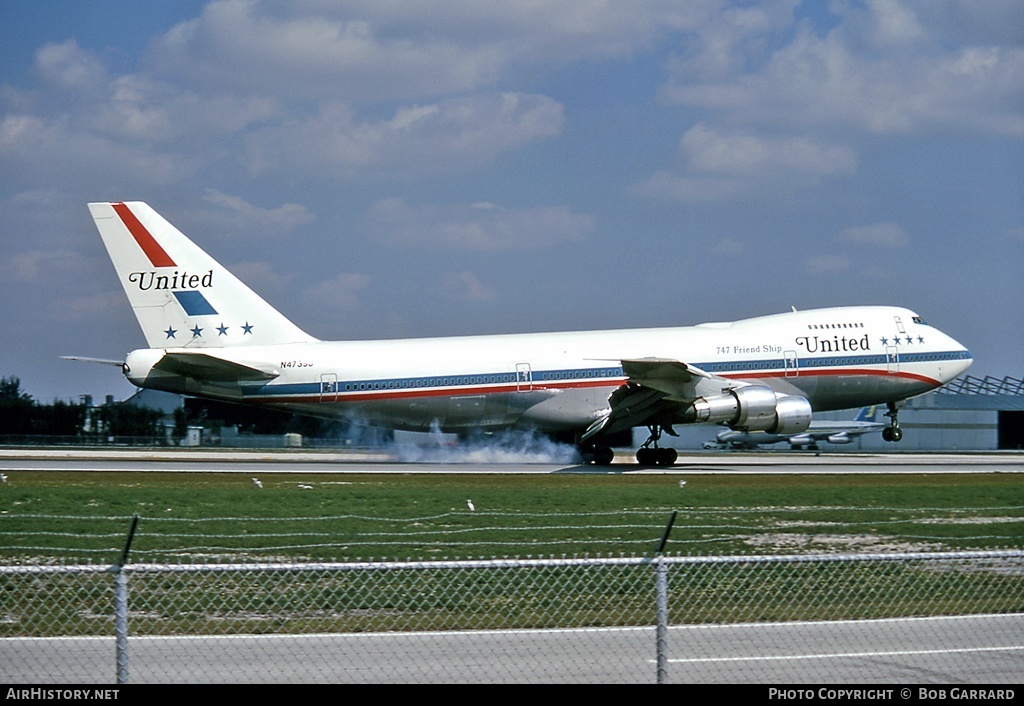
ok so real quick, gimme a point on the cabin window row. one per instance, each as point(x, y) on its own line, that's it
point(818, 327)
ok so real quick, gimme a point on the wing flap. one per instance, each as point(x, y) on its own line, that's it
point(671, 377)
point(659, 390)
point(203, 366)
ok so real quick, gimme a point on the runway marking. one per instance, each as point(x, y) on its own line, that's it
point(895, 653)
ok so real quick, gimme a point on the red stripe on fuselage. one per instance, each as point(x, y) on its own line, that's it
point(156, 254)
point(844, 372)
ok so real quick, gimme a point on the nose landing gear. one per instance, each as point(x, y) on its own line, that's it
point(893, 431)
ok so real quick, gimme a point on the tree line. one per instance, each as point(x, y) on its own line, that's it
point(21, 415)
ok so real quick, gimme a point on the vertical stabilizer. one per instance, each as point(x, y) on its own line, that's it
point(182, 297)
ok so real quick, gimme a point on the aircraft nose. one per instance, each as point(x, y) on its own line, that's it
point(963, 364)
point(961, 361)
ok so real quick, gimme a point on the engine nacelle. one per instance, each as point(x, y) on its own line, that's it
point(792, 415)
point(755, 408)
point(138, 366)
point(140, 369)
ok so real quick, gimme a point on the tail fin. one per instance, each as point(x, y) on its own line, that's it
point(181, 296)
point(866, 414)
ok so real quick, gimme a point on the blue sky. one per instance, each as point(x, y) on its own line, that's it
point(390, 169)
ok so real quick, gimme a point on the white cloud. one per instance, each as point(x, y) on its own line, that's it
point(315, 51)
point(451, 135)
point(477, 226)
point(727, 246)
point(723, 166)
point(45, 267)
point(910, 80)
point(263, 278)
point(827, 264)
point(882, 235)
point(341, 293)
point(892, 22)
point(255, 220)
point(67, 66)
point(666, 185)
point(382, 50)
point(464, 286)
point(775, 83)
point(89, 307)
point(709, 151)
point(139, 128)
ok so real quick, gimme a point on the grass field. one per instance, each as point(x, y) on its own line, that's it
point(69, 518)
point(85, 516)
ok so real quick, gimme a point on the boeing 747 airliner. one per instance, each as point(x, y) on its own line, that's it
point(210, 336)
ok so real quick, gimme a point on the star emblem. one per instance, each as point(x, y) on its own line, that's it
point(170, 332)
point(920, 339)
point(885, 341)
point(222, 330)
point(246, 328)
point(197, 332)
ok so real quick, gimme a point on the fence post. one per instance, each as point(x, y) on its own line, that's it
point(661, 603)
point(661, 591)
point(121, 606)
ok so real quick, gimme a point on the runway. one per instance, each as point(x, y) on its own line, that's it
point(977, 649)
point(453, 461)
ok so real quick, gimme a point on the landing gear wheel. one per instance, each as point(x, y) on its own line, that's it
point(646, 456)
point(597, 455)
point(603, 455)
point(656, 457)
point(650, 454)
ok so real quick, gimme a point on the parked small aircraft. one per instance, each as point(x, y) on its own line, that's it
point(838, 432)
point(211, 336)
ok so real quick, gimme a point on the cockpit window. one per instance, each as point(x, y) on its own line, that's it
point(919, 320)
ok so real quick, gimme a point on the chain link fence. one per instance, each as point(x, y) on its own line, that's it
point(866, 618)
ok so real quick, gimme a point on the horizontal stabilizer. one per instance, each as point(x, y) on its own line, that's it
point(202, 366)
point(101, 361)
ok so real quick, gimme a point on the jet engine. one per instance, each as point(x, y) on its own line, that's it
point(138, 366)
point(754, 408)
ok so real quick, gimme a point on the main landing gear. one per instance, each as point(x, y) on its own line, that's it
point(650, 454)
point(893, 431)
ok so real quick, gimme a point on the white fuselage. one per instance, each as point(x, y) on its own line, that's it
point(837, 358)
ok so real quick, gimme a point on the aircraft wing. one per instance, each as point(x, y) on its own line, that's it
point(203, 366)
point(658, 390)
point(671, 377)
